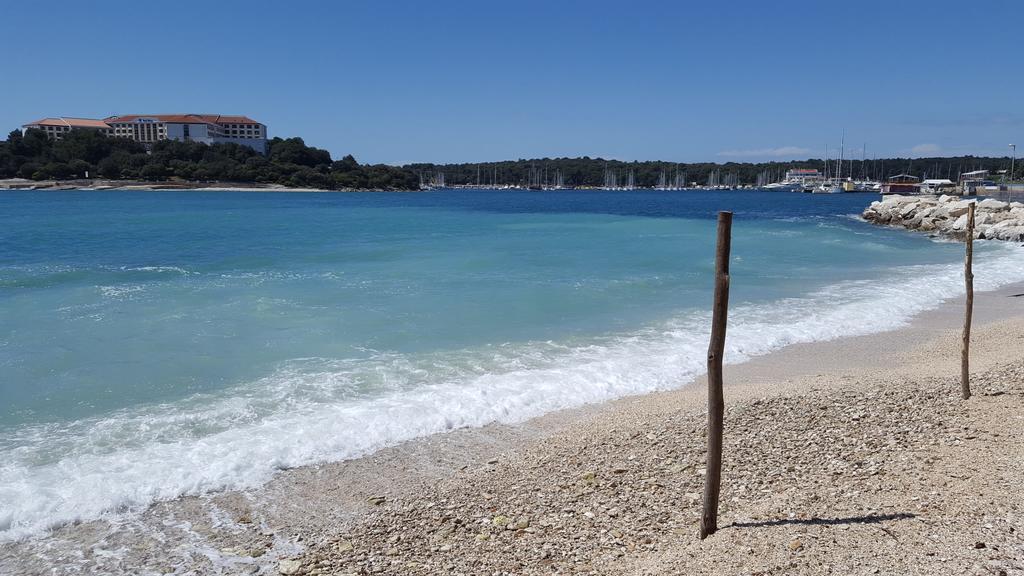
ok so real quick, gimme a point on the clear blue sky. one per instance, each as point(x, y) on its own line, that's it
point(447, 81)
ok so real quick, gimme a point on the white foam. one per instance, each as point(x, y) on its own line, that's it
point(315, 410)
point(117, 291)
point(174, 269)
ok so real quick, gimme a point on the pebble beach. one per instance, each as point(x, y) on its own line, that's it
point(882, 474)
point(854, 456)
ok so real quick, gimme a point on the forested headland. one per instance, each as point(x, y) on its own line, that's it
point(289, 162)
point(596, 172)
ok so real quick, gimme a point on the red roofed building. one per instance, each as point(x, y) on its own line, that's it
point(151, 128)
point(208, 128)
point(56, 127)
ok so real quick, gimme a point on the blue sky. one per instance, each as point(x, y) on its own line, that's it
point(451, 81)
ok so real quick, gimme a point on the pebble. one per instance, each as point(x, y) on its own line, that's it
point(574, 507)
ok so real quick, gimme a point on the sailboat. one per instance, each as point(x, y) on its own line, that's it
point(833, 185)
point(837, 184)
point(825, 187)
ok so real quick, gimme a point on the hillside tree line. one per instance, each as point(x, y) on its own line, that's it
point(289, 162)
point(591, 172)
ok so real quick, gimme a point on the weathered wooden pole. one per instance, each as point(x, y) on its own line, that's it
point(965, 383)
point(716, 400)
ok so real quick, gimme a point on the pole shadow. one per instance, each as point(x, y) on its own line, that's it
point(869, 519)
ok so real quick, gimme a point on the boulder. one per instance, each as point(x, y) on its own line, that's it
point(1012, 233)
point(926, 211)
point(982, 231)
point(908, 210)
point(993, 205)
point(891, 202)
point(994, 219)
point(957, 209)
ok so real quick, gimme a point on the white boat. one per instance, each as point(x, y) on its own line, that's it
point(833, 187)
point(829, 185)
point(785, 186)
point(835, 184)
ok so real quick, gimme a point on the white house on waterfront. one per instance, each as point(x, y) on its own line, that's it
point(151, 128)
point(803, 175)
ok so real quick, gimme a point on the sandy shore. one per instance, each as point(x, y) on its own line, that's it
point(850, 457)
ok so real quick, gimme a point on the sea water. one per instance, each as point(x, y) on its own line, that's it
point(154, 344)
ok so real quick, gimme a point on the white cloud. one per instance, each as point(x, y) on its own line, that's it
point(790, 151)
point(926, 149)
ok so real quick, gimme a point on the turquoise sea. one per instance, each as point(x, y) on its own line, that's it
point(163, 343)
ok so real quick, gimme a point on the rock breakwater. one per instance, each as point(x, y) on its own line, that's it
point(947, 215)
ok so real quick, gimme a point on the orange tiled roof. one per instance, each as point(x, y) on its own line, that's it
point(185, 118)
point(71, 122)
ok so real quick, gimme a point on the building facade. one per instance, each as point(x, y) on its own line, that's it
point(56, 127)
point(151, 128)
point(803, 175)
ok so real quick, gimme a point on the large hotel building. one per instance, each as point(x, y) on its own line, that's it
point(151, 128)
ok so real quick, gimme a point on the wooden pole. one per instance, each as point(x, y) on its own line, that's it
point(716, 401)
point(965, 383)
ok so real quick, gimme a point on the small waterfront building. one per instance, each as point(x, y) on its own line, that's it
point(151, 128)
point(56, 128)
point(803, 175)
point(938, 186)
point(975, 182)
point(975, 176)
point(901, 184)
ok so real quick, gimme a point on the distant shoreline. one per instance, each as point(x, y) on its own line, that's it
point(145, 186)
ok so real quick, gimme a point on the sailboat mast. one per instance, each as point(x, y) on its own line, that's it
point(839, 165)
point(826, 162)
point(863, 158)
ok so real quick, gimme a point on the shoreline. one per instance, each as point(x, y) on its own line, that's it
point(301, 512)
point(948, 216)
point(142, 186)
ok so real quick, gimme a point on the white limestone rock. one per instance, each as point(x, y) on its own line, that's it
point(957, 209)
point(908, 210)
point(993, 205)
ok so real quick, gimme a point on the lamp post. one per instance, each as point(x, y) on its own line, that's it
point(1013, 156)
